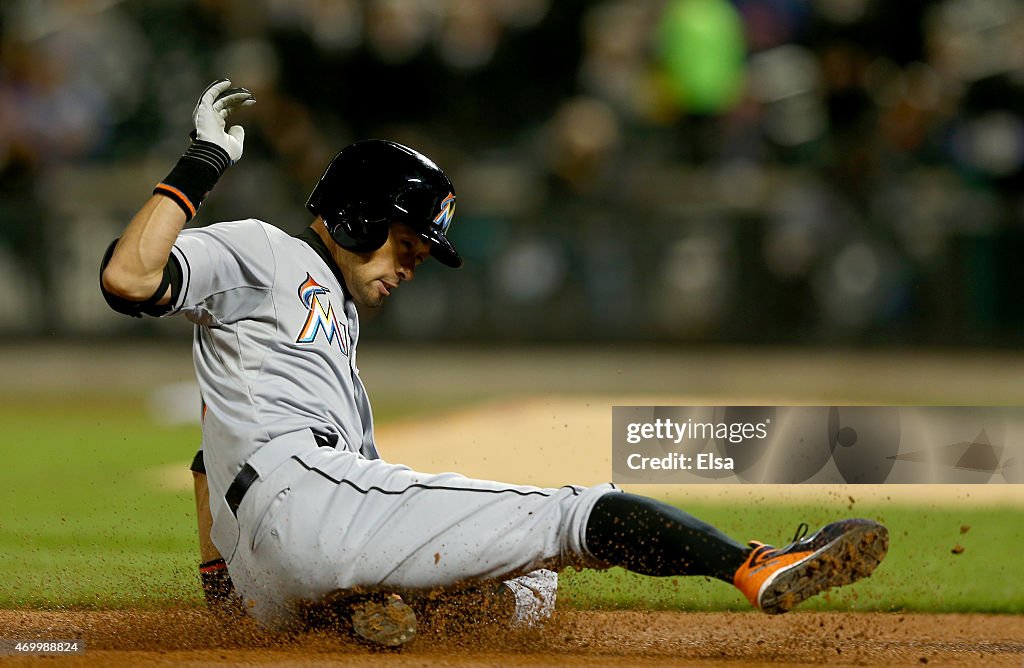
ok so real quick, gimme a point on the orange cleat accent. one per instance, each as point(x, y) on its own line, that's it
point(776, 580)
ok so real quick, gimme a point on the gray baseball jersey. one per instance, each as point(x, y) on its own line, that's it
point(275, 355)
point(275, 349)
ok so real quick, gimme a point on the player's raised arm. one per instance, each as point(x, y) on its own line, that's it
point(137, 276)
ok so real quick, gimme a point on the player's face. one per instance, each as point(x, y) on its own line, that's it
point(373, 276)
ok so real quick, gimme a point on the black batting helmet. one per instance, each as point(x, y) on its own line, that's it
point(373, 183)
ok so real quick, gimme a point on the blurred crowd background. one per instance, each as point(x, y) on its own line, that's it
point(745, 171)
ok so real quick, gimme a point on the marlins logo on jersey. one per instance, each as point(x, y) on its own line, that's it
point(321, 316)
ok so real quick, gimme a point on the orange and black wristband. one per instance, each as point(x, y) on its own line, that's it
point(194, 176)
point(218, 590)
point(216, 582)
point(213, 566)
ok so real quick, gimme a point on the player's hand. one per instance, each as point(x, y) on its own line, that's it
point(217, 101)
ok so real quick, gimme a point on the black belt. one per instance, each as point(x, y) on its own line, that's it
point(248, 475)
point(239, 486)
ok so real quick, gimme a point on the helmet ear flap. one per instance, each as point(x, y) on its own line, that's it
point(355, 231)
point(354, 224)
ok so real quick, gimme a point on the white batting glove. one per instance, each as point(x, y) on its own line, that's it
point(213, 148)
point(217, 101)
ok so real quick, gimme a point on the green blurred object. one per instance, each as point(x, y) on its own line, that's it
point(702, 47)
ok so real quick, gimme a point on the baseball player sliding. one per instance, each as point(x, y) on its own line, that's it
point(304, 511)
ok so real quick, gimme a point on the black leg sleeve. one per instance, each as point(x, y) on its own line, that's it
point(654, 538)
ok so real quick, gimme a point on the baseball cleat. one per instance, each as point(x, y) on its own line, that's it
point(776, 580)
point(384, 622)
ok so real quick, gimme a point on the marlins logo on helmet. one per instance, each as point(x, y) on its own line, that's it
point(447, 212)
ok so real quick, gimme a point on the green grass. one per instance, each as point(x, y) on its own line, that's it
point(85, 524)
point(920, 572)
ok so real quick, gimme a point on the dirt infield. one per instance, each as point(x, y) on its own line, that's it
point(558, 440)
point(593, 639)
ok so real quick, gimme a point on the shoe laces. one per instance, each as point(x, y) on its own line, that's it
point(801, 533)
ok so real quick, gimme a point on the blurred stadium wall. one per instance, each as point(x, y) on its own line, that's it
point(797, 171)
